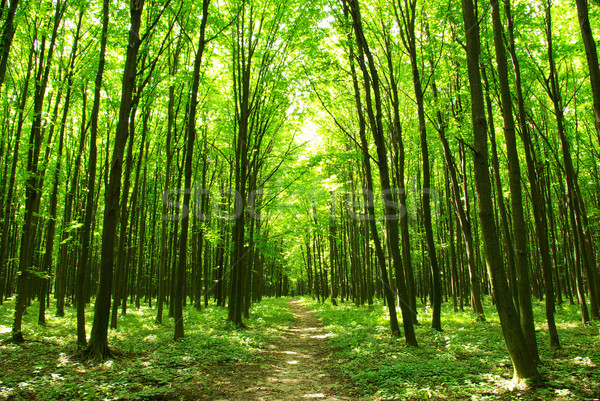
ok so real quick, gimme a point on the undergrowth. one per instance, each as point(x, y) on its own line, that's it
point(468, 360)
point(152, 365)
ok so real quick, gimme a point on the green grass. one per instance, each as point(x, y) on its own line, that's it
point(467, 361)
point(152, 365)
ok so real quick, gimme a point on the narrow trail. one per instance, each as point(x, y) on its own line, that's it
point(296, 370)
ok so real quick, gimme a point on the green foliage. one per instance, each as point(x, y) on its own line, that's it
point(466, 361)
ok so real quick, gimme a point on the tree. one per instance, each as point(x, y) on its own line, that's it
point(89, 202)
point(97, 347)
point(539, 209)
point(514, 170)
point(405, 16)
point(8, 33)
point(523, 363)
point(191, 137)
point(33, 190)
point(368, 195)
point(375, 119)
point(592, 58)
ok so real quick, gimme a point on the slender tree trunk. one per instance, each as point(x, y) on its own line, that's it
point(8, 220)
point(164, 226)
point(191, 138)
point(400, 162)
point(501, 206)
point(370, 209)
point(465, 224)
point(573, 202)
point(8, 33)
point(120, 283)
point(514, 178)
point(51, 229)
point(141, 257)
point(46, 260)
point(523, 362)
point(539, 211)
point(89, 202)
point(462, 215)
point(33, 191)
point(333, 250)
point(242, 62)
point(391, 214)
point(408, 34)
point(69, 233)
point(98, 344)
point(453, 270)
point(592, 58)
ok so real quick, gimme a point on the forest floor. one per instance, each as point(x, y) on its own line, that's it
point(295, 367)
point(293, 349)
point(281, 354)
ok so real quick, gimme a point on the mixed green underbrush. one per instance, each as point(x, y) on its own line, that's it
point(151, 366)
point(468, 360)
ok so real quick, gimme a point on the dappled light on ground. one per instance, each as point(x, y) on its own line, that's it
point(466, 361)
point(297, 369)
point(287, 353)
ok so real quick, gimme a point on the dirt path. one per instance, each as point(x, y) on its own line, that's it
point(296, 370)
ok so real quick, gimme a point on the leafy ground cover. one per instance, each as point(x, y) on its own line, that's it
point(215, 360)
point(466, 361)
point(151, 366)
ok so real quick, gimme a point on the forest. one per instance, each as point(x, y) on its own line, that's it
point(291, 199)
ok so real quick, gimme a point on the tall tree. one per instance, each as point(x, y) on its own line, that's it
point(375, 118)
point(191, 138)
point(262, 43)
point(576, 208)
point(368, 197)
point(539, 210)
point(399, 157)
point(514, 179)
point(51, 225)
point(98, 345)
point(523, 363)
point(406, 16)
point(592, 58)
point(171, 127)
point(8, 33)
point(8, 206)
point(91, 185)
point(33, 192)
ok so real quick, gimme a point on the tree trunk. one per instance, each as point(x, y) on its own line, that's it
point(8, 33)
point(191, 138)
point(464, 220)
point(514, 178)
point(541, 223)
point(98, 344)
point(406, 23)
point(523, 363)
point(592, 58)
point(391, 214)
point(573, 201)
point(33, 191)
point(51, 229)
point(5, 240)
